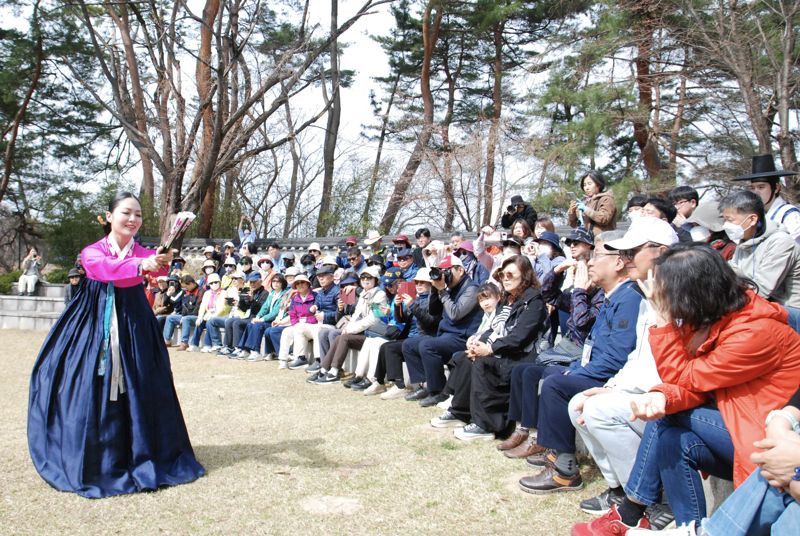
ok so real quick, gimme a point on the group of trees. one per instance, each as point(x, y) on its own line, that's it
point(214, 109)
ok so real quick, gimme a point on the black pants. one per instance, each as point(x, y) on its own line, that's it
point(481, 391)
point(390, 362)
point(234, 328)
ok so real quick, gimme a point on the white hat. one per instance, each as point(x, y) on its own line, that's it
point(372, 237)
point(229, 261)
point(213, 278)
point(291, 271)
point(237, 275)
point(329, 259)
point(372, 271)
point(228, 245)
point(208, 249)
point(161, 278)
point(300, 277)
point(314, 246)
point(643, 230)
point(423, 274)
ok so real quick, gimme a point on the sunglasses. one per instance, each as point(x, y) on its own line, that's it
point(629, 254)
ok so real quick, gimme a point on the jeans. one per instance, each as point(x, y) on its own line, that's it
point(755, 509)
point(212, 326)
point(171, 323)
point(794, 318)
point(672, 451)
point(197, 332)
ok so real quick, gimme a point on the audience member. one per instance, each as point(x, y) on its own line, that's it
point(31, 272)
point(185, 312)
point(685, 200)
point(74, 276)
point(662, 209)
point(598, 210)
point(709, 227)
point(423, 238)
point(474, 269)
point(249, 345)
point(518, 209)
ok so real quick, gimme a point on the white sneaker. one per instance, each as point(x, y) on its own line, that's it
point(214, 349)
point(394, 392)
point(447, 420)
point(205, 349)
point(683, 530)
point(244, 354)
point(192, 349)
point(254, 356)
point(374, 389)
point(283, 364)
point(445, 404)
point(472, 432)
point(270, 356)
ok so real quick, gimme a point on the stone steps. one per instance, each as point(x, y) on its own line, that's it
point(31, 312)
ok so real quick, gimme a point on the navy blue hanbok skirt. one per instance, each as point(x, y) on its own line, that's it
point(79, 439)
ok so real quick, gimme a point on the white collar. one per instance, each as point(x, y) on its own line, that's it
point(121, 253)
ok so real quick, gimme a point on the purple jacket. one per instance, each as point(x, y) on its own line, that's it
point(299, 310)
point(581, 305)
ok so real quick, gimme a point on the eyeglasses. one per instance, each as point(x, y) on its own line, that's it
point(507, 275)
point(679, 202)
point(629, 254)
point(352, 258)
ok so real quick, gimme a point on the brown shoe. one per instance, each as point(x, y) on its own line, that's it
point(167, 343)
point(549, 481)
point(542, 458)
point(183, 346)
point(528, 448)
point(514, 440)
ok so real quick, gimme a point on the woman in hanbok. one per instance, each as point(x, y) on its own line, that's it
point(103, 416)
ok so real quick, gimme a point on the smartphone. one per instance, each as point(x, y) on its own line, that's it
point(407, 287)
point(503, 236)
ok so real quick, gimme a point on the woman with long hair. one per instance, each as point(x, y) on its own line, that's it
point(103, 415)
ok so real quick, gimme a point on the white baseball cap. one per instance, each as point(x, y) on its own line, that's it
point(423, 274)
point(643, 230)
point(314, 246)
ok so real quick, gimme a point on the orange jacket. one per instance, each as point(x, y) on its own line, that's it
point(749, 362)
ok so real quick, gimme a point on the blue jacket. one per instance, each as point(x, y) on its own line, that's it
point(582, 306)
point(461, 314)
point(326, 302)
point(411, 272)
point(475, 269)
point(614, 334)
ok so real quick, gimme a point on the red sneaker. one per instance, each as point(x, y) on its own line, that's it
point(609, 524)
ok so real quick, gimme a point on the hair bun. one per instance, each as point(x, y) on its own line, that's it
point(100, 220)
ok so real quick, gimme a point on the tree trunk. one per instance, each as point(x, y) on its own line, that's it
point(430, 34)
point(494, 127)
point(291, 203)
point(204, 81)
point(331, 131)
point(641, 123)
point(373, 179)
point(784, 92)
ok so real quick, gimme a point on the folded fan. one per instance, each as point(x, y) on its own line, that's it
point(182, 222)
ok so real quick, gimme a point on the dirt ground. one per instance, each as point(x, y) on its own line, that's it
point(285, 457)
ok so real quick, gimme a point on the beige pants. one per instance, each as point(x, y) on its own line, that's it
point(368, 357)
point(302, 334)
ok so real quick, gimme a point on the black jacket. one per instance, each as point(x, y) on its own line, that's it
point(528, 214)
point(525, 323)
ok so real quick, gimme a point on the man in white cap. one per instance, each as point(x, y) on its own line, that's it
point(602, 415)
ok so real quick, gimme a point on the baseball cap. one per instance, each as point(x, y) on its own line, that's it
point(255, 275)
point(450, 261)
point(405, 252)
point(580, 235)
point(643, 230)
point(401, 238)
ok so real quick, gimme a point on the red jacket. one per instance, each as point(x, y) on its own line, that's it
point(750, 361)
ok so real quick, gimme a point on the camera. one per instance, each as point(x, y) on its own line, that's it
point(435, 273)
point(229, 300)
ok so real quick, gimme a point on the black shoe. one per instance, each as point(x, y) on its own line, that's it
point(601, 504)
point(314, 367)
point(314, 377)
point(659, 515)
point(328, 379)
point(432, 400)
point(352, 381)
point(300, 362)
point(225, 351)
point(362, 385)
point(419, 394)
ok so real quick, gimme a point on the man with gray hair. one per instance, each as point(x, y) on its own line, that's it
point(765, 252)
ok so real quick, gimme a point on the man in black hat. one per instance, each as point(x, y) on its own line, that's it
point(518, 210)
point(765, 182)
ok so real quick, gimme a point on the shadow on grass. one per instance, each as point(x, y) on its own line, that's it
point(215, 457)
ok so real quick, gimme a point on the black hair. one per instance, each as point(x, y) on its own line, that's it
point(118, 198)
point(307, 258)
point(280, 278)
point(664, 207)
point(697, 285)
point(251, 248)
point(636, 200)
point(489, 290)
point(274, 245)
point(596, 177)
point(457, 233)
point(354, 252)
point(680, 193)
point(187, 279)
point(424, 231)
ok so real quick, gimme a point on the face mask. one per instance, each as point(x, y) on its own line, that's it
point(735, 232)
point(545, 248)
point(700, 233)
point(229, 269)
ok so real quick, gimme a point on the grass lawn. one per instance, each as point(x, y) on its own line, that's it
point(286, 457)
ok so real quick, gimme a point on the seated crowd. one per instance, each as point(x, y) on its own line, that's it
point(671, 350)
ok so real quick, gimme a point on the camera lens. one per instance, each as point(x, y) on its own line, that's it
point(435, 273)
